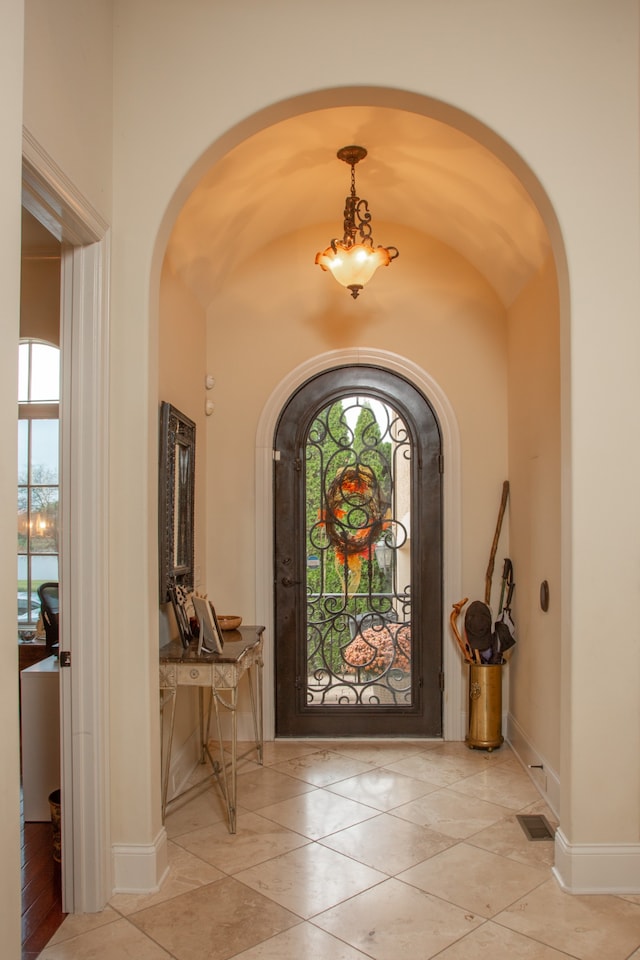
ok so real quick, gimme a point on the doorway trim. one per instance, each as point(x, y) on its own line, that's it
point(55, 202)
point(453, 698)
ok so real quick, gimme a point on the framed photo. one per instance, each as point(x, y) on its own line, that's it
point(182, 617)
point(210, 639)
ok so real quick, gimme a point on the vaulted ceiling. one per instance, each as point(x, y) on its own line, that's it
point(419, 173)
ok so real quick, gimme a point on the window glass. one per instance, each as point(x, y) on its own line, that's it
point(23, 520)
point(24, 351)
point(44, 451)
point(28, 609)
point(38, 475)
point(23, 451)
point(43, 570)
point(44, 381)
point(43, 520)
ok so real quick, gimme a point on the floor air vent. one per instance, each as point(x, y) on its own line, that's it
point(535, 826)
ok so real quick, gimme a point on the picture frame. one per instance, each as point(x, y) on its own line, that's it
point(210, 639)
point(176, 500)
point(177, 597)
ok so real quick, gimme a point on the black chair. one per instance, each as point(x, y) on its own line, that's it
point(49, 606)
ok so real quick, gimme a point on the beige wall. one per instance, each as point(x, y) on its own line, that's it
point(10, 161)
point(182, 339)
point(434, 310)
point(534, 474)
point(176, 112)
point(181, 353)
point(68, 90)
point(488, 74)
point(438, 312)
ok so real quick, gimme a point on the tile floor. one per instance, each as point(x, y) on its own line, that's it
point(360, 851)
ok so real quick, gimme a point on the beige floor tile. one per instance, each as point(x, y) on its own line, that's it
point(458, 748)
point(263, 786)
point(198, 809)
point(317, 814)
point(492, 942)
point(304, 942)
point(382, 789)
point(388, 844)
point(278, 751)
point(395, 920)
point(451, 813)
point(214, 922)
point(587, 927)
point(382, 752)
point(186, 872)
point(75, 924)
point(508, 839)
point(311, 879)
point(474, 879)
point(256, 839)
point(539, 806)
point(439, 769)
point(503, 784)
point(330, 823)
point(115, 941)
point(322, 768)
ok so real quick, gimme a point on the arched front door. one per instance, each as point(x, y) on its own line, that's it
point(358, 558)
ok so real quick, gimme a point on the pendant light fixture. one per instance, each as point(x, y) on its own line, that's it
point(354, 259)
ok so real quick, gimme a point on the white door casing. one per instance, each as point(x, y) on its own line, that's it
point(54, 201)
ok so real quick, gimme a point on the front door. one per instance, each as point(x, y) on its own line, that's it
point(358, 559)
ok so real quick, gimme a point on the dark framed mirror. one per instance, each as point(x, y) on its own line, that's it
point(176, 500)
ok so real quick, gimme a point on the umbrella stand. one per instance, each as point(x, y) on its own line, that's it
point(485, 706)
point(485, 679)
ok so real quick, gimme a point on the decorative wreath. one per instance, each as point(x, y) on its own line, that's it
point(355, 512)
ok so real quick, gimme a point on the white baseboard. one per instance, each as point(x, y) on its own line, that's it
point(140, 867)
point(604, 868)
point(542, 774)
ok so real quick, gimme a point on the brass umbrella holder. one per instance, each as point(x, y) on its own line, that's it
point(485, 678)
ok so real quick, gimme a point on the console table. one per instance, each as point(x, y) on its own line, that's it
point(221, 675)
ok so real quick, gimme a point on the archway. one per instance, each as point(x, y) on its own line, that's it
point(330, 331)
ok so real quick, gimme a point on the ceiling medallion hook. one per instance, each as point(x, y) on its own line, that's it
point(354, 259)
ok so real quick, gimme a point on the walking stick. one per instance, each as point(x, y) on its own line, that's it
point(494, 545)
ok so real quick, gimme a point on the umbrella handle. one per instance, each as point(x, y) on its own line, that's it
point(465, 649)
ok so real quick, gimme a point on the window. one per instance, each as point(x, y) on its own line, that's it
point(38, 474)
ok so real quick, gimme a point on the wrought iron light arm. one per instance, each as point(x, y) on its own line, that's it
point(354, 259)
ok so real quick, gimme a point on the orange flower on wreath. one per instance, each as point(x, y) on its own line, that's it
point(354, 495)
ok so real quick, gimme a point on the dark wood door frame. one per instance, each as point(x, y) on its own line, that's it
point(293, 715)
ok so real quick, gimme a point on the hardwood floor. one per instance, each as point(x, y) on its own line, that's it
point(41, 889)
point(41, 879)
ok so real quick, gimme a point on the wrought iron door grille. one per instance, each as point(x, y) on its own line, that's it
point(358, 567)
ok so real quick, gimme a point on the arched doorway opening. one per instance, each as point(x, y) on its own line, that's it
point(449, 317)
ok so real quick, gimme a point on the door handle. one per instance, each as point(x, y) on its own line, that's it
point(288, 582)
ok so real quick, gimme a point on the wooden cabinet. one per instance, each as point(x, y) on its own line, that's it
point(40, 719)
point(31, 652)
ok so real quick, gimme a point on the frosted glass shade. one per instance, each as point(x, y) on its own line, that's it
point(353, 266)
